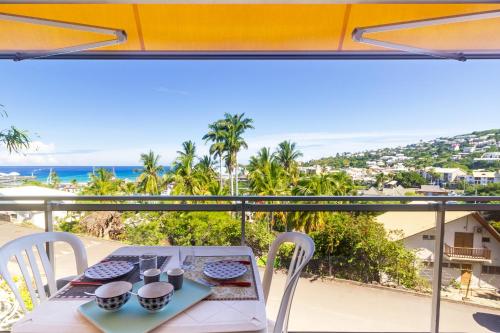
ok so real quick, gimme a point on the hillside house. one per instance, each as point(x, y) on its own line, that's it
point(471, 245)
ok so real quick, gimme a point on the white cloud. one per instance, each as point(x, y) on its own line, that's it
point(312, 145)
point(172, 91)
point(38, 153)
point(41, 153)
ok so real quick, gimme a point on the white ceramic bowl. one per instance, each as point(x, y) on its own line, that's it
point(155, 296)
point(112, 296)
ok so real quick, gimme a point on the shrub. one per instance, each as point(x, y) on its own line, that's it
point(194, 228)
point(356, 247)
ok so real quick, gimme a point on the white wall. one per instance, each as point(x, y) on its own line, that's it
point(464, 224)
point(38, 218)
point(490, 281)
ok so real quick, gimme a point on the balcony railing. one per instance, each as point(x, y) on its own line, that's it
point(244, 204)
point(467, 253)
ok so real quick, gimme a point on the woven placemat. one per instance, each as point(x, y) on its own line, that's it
point(78, 292)
point(223, 293)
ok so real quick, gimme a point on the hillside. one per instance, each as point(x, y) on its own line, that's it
point(466, 151)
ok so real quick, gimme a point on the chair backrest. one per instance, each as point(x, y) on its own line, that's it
point(304, 250)
point(22, 248)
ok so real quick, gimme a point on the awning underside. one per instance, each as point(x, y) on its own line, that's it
point(244, 30)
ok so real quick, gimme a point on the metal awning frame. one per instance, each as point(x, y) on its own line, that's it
point(120, 36)
point(358, 33)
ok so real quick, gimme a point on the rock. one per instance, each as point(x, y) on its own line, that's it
point(107, 225)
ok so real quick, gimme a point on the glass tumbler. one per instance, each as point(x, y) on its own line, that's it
point(147, 261)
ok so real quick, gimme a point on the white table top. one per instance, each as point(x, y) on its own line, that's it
point(207, 316)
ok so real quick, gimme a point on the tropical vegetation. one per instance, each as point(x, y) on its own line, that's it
point(13, 138)
point(149, 181)
point(348, 245)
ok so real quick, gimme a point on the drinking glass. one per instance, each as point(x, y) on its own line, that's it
point(147, 261)
point(186, 258)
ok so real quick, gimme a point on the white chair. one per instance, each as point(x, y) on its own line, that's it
point(304, 250)
point(23, 247)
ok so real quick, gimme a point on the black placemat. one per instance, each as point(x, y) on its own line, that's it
point(78, 292)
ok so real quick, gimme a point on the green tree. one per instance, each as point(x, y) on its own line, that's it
point(13, 138)
point(102, 182)
point(409, 179)
point(380, 179)
point(185, 177)
point(260, 160)
point(358, 248)
point(434, 176)
point(234, 126)
point(207, 177)
point(269, 179)
point(287, 155)
point(216, 135)
point(334, 184)
point(206, 165)
point(215, 188)
point(149, 181)
point(492, 189)
point(194, 228)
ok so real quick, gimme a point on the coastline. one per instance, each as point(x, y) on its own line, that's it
point(68, 174)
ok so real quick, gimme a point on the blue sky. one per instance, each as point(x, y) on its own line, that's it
point(108, 112)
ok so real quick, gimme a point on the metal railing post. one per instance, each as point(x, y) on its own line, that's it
point(243, 223)
point(49, 227)
point(438, 267)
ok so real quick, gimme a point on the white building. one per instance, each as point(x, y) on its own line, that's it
point(469, 150)
point(481, 177)
point(471, 245)
point(489, 157)
point(36, 218)
point(447, 175)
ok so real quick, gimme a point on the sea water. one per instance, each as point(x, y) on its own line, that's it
point(69, 173)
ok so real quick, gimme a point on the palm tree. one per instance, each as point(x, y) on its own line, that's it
point(337, 184)
point(260, 160)
point(216, 135)
point(101, 182)
point(267, 176)
point(380, 180)
point(269, 179)
point(13, 138)
point(149, 181)
point(206, 165)
point(342, 184)
point(188, 150)
point(287, 156)
point(183, 173)
point(127, 187)
point(215, 188)
point(205, 174)
point(234, 126)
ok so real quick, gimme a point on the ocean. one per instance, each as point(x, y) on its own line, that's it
point(69, 173)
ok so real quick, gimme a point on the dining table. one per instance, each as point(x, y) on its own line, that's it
point(220, 313)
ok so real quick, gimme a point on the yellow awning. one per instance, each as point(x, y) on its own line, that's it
point(163, 30)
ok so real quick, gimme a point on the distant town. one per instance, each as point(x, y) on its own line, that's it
point(442, 166)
